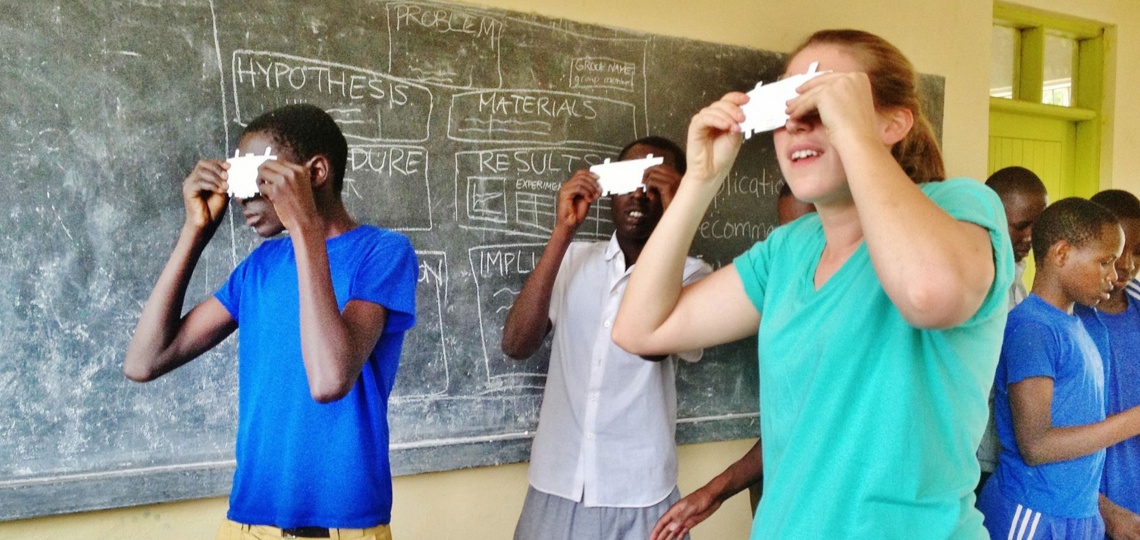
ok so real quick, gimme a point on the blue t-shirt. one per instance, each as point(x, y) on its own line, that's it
point(1043, 341)
point(300, 462)
point(1121, 481)
point(869, 424)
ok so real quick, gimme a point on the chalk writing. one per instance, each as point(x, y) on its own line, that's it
point(514, 190)
point(500, 271)
point(590, 72)
point(466, 54)
point(367, 105)
point(374, 172)
point(424, 370)
point(540, 116)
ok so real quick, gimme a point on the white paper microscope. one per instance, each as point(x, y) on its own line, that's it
point(767, 103)
point(621, 177)
point(243, 173)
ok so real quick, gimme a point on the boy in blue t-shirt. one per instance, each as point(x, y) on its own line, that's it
point(322, 313)
point(1049, 402)
point(1120, 487)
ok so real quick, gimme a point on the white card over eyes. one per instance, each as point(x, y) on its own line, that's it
point(243, 173)
point(621, 177)
point(767, 103)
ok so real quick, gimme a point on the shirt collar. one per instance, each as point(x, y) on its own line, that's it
point(613, 249)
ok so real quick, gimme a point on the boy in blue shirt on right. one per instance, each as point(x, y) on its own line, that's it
point(1049, 387)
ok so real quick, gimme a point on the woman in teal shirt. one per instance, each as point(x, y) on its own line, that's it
point(882, 313)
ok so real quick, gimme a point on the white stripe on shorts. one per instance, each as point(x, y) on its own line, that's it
point(1024, 519)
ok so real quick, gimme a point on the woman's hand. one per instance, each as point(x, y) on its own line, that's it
point(844, 104)
point(714, 138)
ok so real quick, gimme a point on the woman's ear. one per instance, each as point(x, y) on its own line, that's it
point(896, 124)
point(320, 173)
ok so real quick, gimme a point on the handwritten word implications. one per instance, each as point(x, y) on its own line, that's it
point(506, 262)
point(592, 72)
point(737, 185)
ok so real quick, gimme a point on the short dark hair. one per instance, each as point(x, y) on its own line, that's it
point(657, 141)
point(784, 191)
point(307, 130)
point(1016, 180)
point(1122, 203)
point(1074, 220)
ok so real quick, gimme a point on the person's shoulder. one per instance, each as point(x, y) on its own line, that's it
point(380, 237)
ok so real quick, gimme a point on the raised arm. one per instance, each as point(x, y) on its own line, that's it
point(696, 507)
point(529, 318)
point(334, 345)
point(163, 339)
point(1040, 442)
point(936, 270)
point(658, 316)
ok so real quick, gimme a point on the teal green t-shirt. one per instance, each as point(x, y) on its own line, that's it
point(870, 425)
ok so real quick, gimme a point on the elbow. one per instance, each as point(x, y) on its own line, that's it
point(515, 350)
point(629, 342)
point(138, 372)
point(329, 393)
point(1033, 453)
point(331, 388)
point(938, 305)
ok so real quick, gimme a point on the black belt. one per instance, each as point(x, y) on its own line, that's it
point(305, 532)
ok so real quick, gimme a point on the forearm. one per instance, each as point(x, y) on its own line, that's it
point(936, 269)
point(152, 350)
point(737, 477)
point(655, 286)
point(331, 360)
point(1071, 442)
point(529, 318)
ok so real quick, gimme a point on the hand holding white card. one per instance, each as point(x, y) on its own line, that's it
point(767, 103)
point(622, 177)
point(243, 173)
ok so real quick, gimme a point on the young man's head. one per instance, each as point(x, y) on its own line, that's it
point(1075, 245)
point(636, 214)
point(788, 207)
point(1024, 197)
point(299, 134)
point(1126, 207)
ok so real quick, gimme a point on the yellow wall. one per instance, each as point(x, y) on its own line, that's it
point(945, 38)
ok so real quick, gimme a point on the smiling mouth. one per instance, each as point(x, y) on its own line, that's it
point(636, 214)
point(803, 154)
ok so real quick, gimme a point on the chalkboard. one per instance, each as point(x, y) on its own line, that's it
point(462, 122)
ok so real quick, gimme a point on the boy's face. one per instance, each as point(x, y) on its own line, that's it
point(1128, 262)
point(1021, 211)
point(258, 211)
point(1089, 272)
point(636, 214)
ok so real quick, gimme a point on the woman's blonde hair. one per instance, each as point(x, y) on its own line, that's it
point(893, 84)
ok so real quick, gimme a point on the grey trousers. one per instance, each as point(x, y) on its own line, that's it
point(549, 517)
